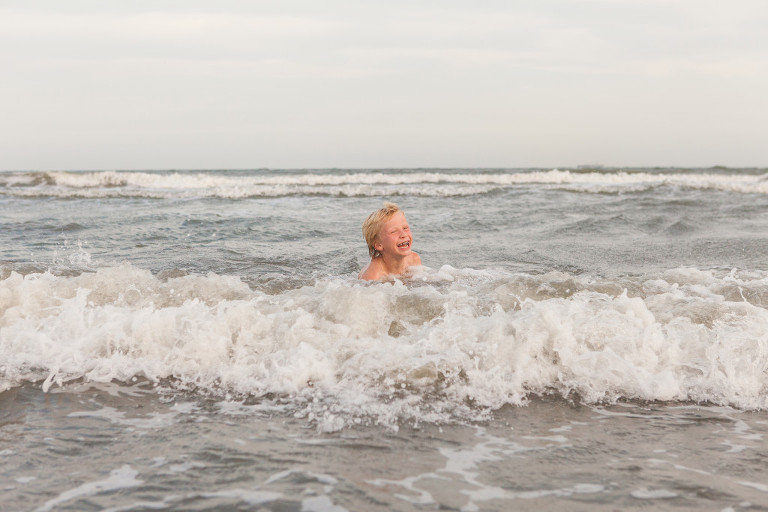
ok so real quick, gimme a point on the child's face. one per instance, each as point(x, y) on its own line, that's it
point(395, 236)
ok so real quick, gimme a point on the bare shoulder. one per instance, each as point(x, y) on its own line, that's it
point(372, 271)
point(414, 259)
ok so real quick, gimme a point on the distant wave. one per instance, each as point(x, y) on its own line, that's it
point(449, 345)
point(223, 184)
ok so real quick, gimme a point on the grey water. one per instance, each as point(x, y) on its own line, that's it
point(197, 340)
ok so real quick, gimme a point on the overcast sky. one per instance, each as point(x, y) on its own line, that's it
point(391, 83)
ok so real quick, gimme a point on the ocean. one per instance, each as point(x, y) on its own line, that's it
point(577, 339)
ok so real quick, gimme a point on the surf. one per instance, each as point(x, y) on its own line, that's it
point(445, 345)
point(357, 183)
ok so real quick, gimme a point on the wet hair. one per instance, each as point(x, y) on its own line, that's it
point(372, 225)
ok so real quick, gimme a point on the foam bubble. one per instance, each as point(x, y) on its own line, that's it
point(654, 494)
point(120, 478)
point(341, 351)
point(168, 185)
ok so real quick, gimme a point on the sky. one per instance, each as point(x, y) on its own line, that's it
point(95, 85)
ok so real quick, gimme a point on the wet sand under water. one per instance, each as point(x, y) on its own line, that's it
point(118, 447)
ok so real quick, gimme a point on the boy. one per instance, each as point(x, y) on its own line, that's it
point(389, 242)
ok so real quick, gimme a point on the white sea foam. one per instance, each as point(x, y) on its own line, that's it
point(655, 494)
point(165, 185)
point(466, 463)
point(120, 478)
point(342, 351)
point(153, 421)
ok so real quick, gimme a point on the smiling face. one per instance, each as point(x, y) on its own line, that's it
point(394, 236)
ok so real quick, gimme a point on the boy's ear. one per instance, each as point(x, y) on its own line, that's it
point(378, 246)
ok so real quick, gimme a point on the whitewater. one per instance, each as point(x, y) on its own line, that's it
point(578, 338)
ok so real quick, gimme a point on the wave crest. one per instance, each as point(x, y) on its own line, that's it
point(445, 345)
point(238, 185)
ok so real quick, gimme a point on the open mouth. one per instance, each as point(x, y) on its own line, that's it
point(404, 244)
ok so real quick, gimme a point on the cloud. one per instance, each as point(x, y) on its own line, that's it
point(156, 35)
point(537, 81)
point(596, 37)
point(159, 26)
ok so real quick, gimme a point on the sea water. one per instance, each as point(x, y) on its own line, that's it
point(578, 339)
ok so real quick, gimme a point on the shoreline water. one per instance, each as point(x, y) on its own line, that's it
point(582, 340)
point(180, 453)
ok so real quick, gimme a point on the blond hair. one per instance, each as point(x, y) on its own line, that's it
point(372, 225)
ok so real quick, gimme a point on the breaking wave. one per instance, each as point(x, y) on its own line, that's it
point(443, 345)
point(241, 184)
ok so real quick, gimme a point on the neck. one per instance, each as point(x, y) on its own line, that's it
point(394, 265)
